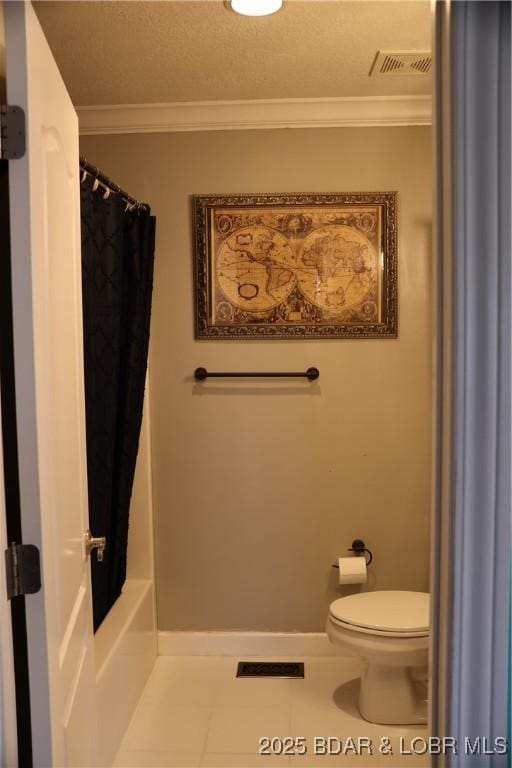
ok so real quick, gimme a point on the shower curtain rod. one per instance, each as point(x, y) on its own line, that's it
point(106, 182)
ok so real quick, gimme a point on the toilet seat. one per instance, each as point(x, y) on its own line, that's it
point(386, 613)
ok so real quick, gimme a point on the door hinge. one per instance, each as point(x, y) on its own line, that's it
point(12, 132)
point(23, 569)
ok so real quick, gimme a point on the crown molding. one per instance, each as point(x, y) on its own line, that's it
point(257, 114)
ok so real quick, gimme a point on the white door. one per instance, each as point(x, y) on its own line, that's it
point(46, 269)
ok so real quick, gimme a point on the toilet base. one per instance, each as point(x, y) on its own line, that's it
point(392, 695)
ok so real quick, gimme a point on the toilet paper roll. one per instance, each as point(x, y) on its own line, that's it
point(352, 570)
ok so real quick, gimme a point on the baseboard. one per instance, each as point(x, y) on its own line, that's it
point(247, 644)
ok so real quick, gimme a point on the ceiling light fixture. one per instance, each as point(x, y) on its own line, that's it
point(255, 7)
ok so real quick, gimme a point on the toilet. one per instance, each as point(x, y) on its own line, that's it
point(389, 631)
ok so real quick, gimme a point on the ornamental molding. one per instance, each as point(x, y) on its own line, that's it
point(258, 114)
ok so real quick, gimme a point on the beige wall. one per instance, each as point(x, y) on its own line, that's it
point(259, 487)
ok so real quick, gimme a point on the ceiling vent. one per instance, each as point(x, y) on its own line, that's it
point(400, 63)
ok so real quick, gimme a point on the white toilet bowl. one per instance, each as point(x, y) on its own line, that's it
point(390, 632)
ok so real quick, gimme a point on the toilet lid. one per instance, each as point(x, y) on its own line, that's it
point(397, 611)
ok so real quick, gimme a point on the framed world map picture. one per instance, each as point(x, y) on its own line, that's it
point(296, 266)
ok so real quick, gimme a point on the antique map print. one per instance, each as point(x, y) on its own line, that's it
point(308, 267)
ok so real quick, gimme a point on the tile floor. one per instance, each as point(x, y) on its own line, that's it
point(194, 712)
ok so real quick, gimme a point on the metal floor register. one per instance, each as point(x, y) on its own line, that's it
point(270, 669)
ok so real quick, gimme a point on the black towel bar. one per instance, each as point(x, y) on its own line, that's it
point(200, 374)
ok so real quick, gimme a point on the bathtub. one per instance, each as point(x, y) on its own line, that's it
point(125, 645)
point(125, 652)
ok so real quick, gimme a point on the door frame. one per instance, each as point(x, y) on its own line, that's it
point(8, 724)
point(8, 718)
point(15, 688)
point(441, 525)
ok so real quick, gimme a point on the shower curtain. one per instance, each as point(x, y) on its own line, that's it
point(117, 278)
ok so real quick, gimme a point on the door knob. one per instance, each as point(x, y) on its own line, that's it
point(95, 542)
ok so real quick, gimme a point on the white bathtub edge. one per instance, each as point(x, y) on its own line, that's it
point(127, 651)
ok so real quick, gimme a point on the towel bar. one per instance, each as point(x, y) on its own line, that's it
point(200, 374)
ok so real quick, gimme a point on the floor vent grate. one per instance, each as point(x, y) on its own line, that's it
point(270, 669)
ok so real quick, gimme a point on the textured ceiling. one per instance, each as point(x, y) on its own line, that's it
point(139, 52)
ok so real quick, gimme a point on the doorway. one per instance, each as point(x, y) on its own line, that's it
point(250, 522)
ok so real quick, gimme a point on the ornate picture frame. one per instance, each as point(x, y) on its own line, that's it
point(282, 266)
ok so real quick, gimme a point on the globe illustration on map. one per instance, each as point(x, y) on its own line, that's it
point(336, 268)
point(255, 268)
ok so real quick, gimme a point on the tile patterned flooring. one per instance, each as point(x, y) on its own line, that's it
point(195, 713)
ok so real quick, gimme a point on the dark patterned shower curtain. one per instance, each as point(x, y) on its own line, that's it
point(117, 278)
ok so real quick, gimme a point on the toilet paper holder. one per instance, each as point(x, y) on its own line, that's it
point(359, 548)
